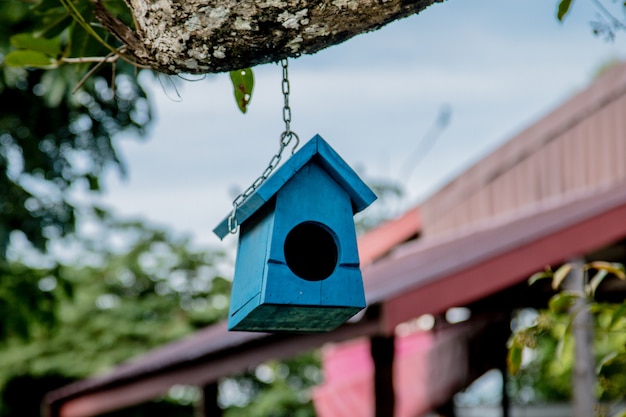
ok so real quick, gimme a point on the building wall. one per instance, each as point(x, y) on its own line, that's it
point(579, 147)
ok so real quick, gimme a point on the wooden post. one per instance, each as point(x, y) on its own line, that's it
point(583, 376)
point(382, 349)
point(208, 406)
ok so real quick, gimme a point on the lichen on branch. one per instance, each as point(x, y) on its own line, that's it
point(208, 36)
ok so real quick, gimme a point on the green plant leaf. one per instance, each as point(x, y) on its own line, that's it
point(53, 18)
point(53, 23)
point(562, 340)
point(618, 314)
point(560, 274)
point(514, 358)
point(79, 41)
point(540, 275)
point(27, 58)
point(243, 84)
point(49, 47)
point(603, 361)
point(614, 268)
point(564, 7)
point(562, 302)
point(119, 9)
point(596, 281)
point(79, 13)
point(45, 6)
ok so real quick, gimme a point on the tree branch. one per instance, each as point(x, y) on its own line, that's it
point(207, 36)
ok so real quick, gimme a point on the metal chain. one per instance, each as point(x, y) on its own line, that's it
point(285, 139)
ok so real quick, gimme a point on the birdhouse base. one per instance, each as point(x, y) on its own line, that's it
point(290, 318)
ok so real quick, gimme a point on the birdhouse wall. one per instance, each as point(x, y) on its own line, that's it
point(251, 263)
point(312, 196)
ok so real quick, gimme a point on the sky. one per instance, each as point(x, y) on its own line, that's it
point(497, 65)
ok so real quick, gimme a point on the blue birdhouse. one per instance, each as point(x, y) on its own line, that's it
point(297, 266)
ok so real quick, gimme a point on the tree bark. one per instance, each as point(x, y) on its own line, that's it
point(206, 36)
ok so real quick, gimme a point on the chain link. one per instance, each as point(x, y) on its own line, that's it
point(285, 139)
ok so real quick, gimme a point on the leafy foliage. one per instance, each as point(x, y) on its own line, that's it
point(548, 342)
point(273, 389)
point(126, 300)
point(61, 31)
point(27, 302)
point(50, 34)
point(52, 141)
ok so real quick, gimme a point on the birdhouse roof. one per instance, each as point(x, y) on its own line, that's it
point(316, 150)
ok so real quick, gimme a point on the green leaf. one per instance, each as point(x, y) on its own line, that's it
point(614, 268)
point(49, 47)
point(514, 358)
point(53, 18)
point(45, 6)
point(120, 9)
point(564, 7)
point(562, 340)
point(79, 41)
point(243, 84)
point(540, 275)
point(605, 360)
point(595, 282)
point(54, 23)
point(82, 13)
point(618, 314)
point(560, 274)
point(27, 58)
point(562, 302)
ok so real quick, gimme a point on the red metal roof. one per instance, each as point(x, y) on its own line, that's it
point(378, 242)
point(430, 276)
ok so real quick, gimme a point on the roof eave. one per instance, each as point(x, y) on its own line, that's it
point(320, 151)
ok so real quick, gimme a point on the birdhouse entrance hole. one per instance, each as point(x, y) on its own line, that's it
point(311, 251)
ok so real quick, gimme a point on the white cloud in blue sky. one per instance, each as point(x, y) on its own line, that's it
point(498, 64)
